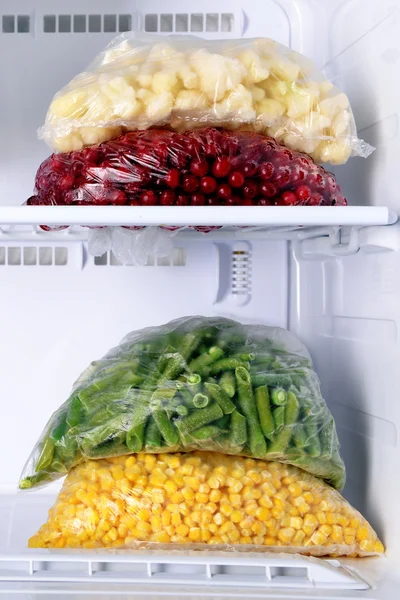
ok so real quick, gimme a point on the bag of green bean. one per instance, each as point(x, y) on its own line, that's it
point(196, 383)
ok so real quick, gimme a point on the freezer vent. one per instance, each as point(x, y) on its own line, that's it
point(29, 256)
point(178, 259)
point(16, 24)
point(86, 23)
point(241, 273)
point(195, 22)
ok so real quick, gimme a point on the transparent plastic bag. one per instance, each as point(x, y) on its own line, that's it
point(203, 167)
point(195, 383)
point(140, 81)
point(203, 499)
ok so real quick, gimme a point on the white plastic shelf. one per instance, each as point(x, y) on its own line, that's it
point(257, 216)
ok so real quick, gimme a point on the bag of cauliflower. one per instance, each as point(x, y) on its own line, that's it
point(184, 82)
point(203, 499)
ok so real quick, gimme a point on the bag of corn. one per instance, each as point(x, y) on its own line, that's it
point(203, 498)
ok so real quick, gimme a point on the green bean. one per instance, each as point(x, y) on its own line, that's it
point(238, 435)
point(198, 418)
point(228, 383)
point(46, 455)
point(244, 357)
point(208, 432)
point(174, 367)
point(200, 401)
point(271, 380)
point(264, 412)
point(329, 471)
point(248, 407)
point(326, 438)
point(281, 442)
point(190, 343)
point(300, 436)
point(76, 411)
point(135, 435)
point(166, 427)
point(100, 434)
point(279, 418)
point(200, 364)
point(314, 445)
point(278, 397)
point(152, 436)
point(221, 397)
point(181, 410)
point(227, 364)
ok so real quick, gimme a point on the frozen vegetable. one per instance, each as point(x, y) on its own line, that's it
point(202, 167)
point(202, 498)
point(195, 383)
point(140, 81)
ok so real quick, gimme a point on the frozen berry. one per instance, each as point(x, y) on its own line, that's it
point(58, 163)
point(269, 190)
point(182, 200)
point(236, 179)
point(303, 193)
point(224, 191)
point(233, 201)
point(117, 197)
point(315, 200)
point(267, 170)
point(221, 167)
point(190, 183)
point(285, 156)
point(211, 150)
point(247, 202)
point(282, 176)
point(66, 182)
point(199, 167)
point(172, 178)
point(289, 198)
point(250, 169)
point(250, 190)
point(148, 198)
point(167, 198)
point(198, 199)
point(208, 184)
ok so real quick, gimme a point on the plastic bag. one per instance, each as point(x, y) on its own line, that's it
point(195, 383)
point(186, 82)
point(196, 168)
point(202, 498)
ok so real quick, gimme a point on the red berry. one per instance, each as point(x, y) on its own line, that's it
point(282, 176)
point(58, 163)
point(91, 156)
point(66, 182)
point(285, 156)
point(224, 191)
point(250, 190)
point(269, 190)
point(221, 167)
point(199, 167)
point(213, 201)
point(298, 174)
point(289, 198)
point(117, 197)
point(233, 201)
point(247, 202)
point(190, 183)
point(316, 181)
point(303, 193)
point(250, 169)
point(182, 200)
point(236, 179)
point(267, 170)
point(148, 198)
point(315, 200)
point(211, 150)
point(264, 202)
point(208, 184)
point(167, 198)
point(198, 199)
point(172, 178)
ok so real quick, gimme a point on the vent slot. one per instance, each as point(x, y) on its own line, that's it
point(185, 22)
point(82, 23)
point(29, 256)
point(178, 259)
point(16, 23)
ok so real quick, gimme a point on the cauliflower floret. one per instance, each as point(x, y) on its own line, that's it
point(160, 107)
point(71, 105)
point(269, 111)
point(238, 102)
point(165, 81)
point(257, 93)
point(189, 78)
point(341, 124)
point(330, 106)
point(335, 152)
point(116, 53)
point(95, 135)
point(256, 70)
point(68, 143)
point(283, 68)
point(218, 74)
point(188, 100)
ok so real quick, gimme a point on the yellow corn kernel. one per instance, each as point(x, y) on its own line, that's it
point(265, 501)
point(193, 482)
point(251, 508)
point(326, 530)
point(170, 487)
point(201, 497)
point(318, 538)
point(156, 524)
point(188, 494)
point(237, 516)
point(226, 527)
point(259, 528)
point(295, 490)
point(162, 537)
point(176, 519)
point(362, 534)
point(245, 539)
point(195, 534)
point(378, 547)
point(234, 535)
point(321, 516)
point(296, 523)
point(337, 534)
point(182, 530)
point(263, 513)
point(205, 536)
point(286, 534)
point(166, 518)
point(298, 538)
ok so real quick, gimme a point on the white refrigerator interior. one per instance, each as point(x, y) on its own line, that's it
point(334, 282)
